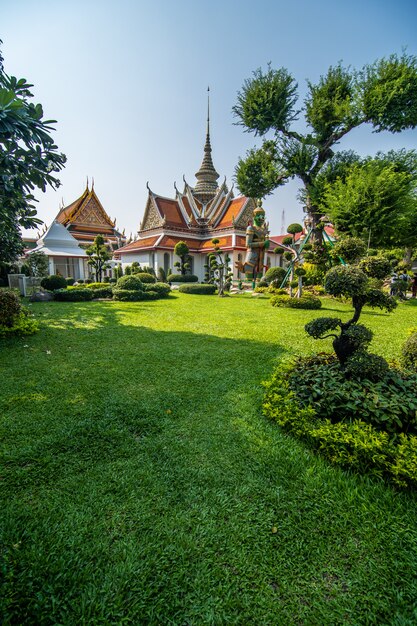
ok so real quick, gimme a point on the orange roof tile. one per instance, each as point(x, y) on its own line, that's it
point(231, 212)
point(171, 211)
point(224, 242)
point(140, 244)
point(170, 242)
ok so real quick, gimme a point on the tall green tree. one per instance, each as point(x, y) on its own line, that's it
point(99, 257)
point(182, 250)
point(29, 159)
point(383, 94)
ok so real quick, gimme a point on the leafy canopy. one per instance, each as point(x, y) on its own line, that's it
point(28, 161)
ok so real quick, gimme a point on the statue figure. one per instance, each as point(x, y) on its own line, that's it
point(256, 243)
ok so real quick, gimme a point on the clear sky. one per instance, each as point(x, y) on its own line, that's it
point(127, 81)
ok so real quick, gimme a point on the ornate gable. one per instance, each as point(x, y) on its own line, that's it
point(91, 213)
point(246, 215)
point(151, 218)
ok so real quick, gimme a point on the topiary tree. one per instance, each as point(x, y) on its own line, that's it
point(218, 269)
point(99, 256)
point(50, 283)
point(275, 274)
point(182, 250)
point(349, 282)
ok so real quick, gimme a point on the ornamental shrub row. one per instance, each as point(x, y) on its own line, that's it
point(350, 444)
point(305, 302)
point(201, 288)
point(73, 295)
point(182, 278)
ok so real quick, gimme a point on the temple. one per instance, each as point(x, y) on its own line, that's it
point(195, 215)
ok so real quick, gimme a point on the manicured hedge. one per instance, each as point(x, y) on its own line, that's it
point(145, 277)
point(162, 289)
point(198, 289)
point(305, 302)
point(53, 282)
point(352, 444)
point(73, 295)
point(103, 292)
point(128, 295)
point(180, 278)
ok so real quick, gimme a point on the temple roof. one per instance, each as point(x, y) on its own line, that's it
point(57, 241)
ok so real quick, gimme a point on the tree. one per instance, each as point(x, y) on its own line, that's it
point(383, 94)
point(181, 249)
point(99, 257)
point(28, 161)
point(38, 264)
point(218, 269)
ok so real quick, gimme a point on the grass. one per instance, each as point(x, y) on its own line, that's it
point(141, 485)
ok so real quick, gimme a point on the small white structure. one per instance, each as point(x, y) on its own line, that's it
point(65, 256)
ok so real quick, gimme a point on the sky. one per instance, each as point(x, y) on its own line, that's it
point(127, 81)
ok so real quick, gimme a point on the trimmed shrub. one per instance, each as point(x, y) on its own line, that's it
point(50, 283)
point(305, 302)
point(23, 325)
point(130, 282)
point(97, 285)
point(150, 295)
point(88, 281)
point(202, 289)
point(145, 277)
point(275, 274)
point(350, 444)
point(180, 278)
point(366, 366)
point(73, 295)
point(80, 281)
point(409, 352)
point(375, 267)
point(70, 281)
point(262, 283)
point(10, 307)
point(128, 295)
point(103, 292)
point(162, 289)
point(112, 281)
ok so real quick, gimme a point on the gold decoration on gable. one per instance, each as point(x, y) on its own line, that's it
point(152, 219)
point(91, 213)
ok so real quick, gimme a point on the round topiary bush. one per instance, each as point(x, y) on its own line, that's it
point(70, 281)
point(146, 278)
point(275, 273)
point(130, 282)
point(50, 283)
point(366, 365)
point(10, 307)
point(73, 295)
point(344, 280)
point(376, 267)
point(409, 352)
point(202, 289)
point(162, 289)
point(182, 278)
point(305, 302)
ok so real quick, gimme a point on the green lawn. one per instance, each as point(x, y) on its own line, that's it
point(141, 484)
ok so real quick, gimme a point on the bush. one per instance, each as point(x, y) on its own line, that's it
point(375, 267)
point(202, 288)
point(366, 366)
point(50, 283)
point(350, 249)
point(97, 285)
point(146, 277)
point(409, 352)
point(73, 295)
point(103, 292)
point(344, 280)
point(130, 282)
point(23, 324)
point(112, 281)
point(70, 281)
point(275, 274)
point(162, 289)
point(350, 444)
point(180, 278)
point(88, 281)
point(305, 302)
point(128, 295)
point(80, 281)
point(10, 307)
point(262, 283)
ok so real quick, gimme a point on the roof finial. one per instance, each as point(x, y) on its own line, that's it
point(87, 184)
point(208, 110)
point(92, 184)
point(206, 186)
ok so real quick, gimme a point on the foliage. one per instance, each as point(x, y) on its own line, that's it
point(28, 161)
point(182, 278)
point(73, 295)
point(103, 292)
point(130, 282)
point(162, 277)
point(10, 307)
point(99, 257)
point(343, 99)
point(375, 266)
point(55, 281)
point(409, 352)
point(293, 229)
point(275, 274)
point(200, 289)
point(97, 285)
point(314, 274)
point(182, 251)
point(128, 295)
point(22, 325)
point(353, 443)
point(350, 249)
point(162, 289)
point(218, 269)
point(305, 302)
point(147, 278)
point(345, 281)
point(38, 264)
point(70, 281)
point(363, 365)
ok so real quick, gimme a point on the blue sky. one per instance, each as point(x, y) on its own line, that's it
point(127, 82)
